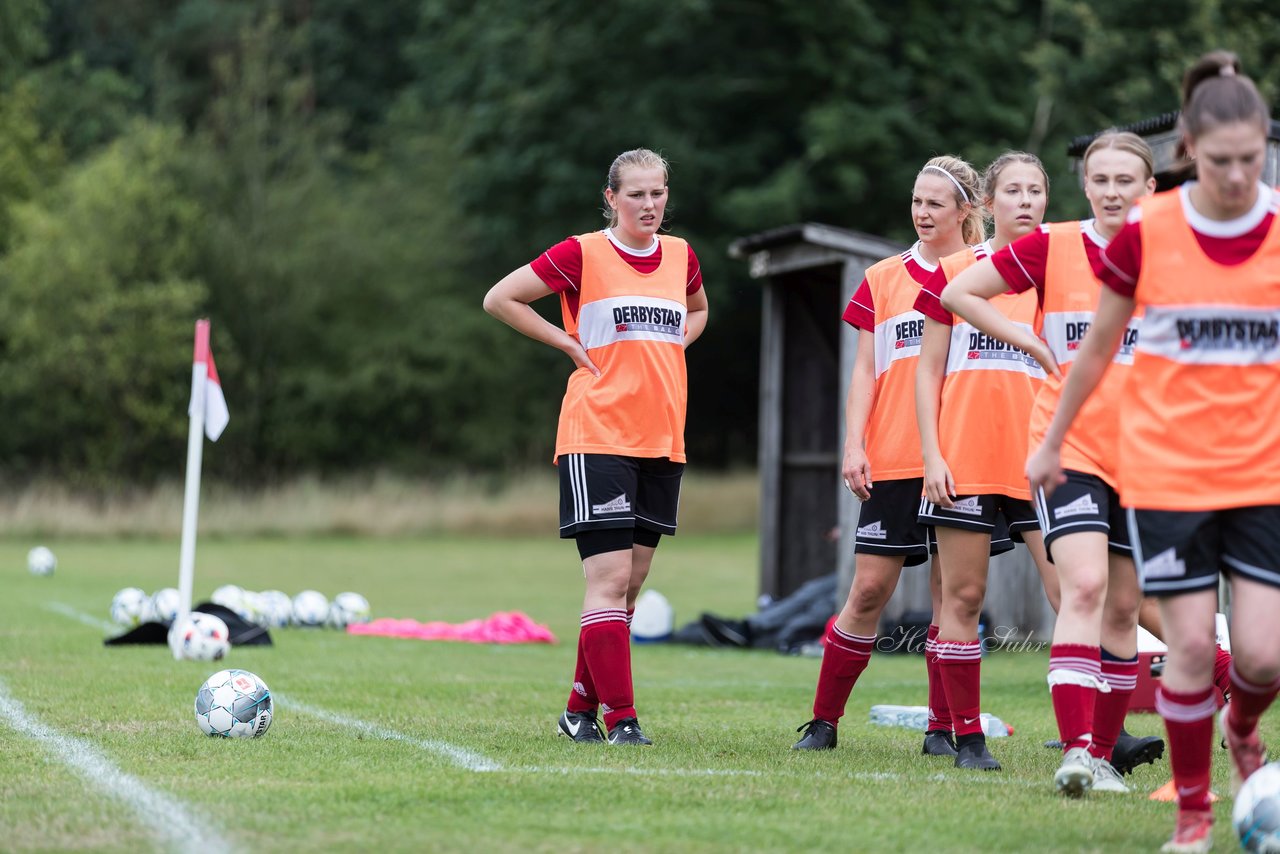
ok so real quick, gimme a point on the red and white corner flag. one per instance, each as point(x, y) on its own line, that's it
point(209, 416)
point(205, 371)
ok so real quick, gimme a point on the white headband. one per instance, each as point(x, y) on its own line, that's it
point(952, 178)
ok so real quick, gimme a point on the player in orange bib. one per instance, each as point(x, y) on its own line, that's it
point(882, 447)
point(1093, 664)
point(1199, 424)
point(973, 402)
point(632, 301)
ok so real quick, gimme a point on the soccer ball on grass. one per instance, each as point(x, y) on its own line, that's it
point(128, 606)
point(40, 561)
point(199, 637)
point(233, 704)
point(1256, 813)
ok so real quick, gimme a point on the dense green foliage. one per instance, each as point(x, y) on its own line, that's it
point(336, 184)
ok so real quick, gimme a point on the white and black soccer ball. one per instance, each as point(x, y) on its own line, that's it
point(199, 637)
point(162, 607)
point(310, 608)
point(654, 618)
point(233, 704)
point(277, 608)
point(41, 561)
point(128, 607)
point(348, 608)
point(1256, 813)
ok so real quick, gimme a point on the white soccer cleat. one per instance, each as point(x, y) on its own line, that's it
point(1106, 778)
point(1074, 776)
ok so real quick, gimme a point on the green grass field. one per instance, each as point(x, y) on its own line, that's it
point(382, 744)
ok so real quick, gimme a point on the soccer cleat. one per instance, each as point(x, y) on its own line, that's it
point(1106, 778)
point(579, 726)
point(818, 735)
point(1247, 752)
point(1074, 776)
point(1132, 750)
point(627, 731)
point(971, 752)
point(1193, 834)
point(938, 742)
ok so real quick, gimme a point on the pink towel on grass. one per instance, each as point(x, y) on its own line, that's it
point(501, 627)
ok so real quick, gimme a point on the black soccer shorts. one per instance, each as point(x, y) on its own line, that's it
point(599, 491)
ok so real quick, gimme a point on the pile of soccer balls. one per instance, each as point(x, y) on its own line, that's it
point(273, 609)
point(310, 608)
point(132, 606)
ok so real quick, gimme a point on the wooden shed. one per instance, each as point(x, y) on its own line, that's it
point(810, 272)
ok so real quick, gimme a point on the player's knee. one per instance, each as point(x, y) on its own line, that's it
point(867, 598)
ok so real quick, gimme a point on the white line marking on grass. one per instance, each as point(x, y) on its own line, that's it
point(460, 756)
point(165, 816)
point(80, 616)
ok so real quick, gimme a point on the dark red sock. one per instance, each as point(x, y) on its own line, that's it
point(1248, 702)
point(607, 645)
point(844, 657)
point(939, 711)
point(1188, 720)
point(631, 612)
point(1074, 675)
point(582, 696)
point(1222, 671)
point(1110, 707)
point(960, 665)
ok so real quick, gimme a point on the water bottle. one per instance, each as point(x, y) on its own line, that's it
point(917, 718)
point(993, 727)
point(911, 717)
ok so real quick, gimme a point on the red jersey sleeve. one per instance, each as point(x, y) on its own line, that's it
point(560, 267)
point(1121, 261)
point(695, 274)
point(860, 313)
point(929, 302)
point(1022, 264)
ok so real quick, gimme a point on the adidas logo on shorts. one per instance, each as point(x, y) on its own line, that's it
point(1082, 506)
point(971, 506)
point(617, 505)
point(1164, 565)
point(874, 531)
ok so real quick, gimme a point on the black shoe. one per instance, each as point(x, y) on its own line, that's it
point(1053, 744)
point(818, 735)
point(1131, 751)
point(627, 731)
point(579, 726)
point(724, 632)
point(938, 742)
point(971, 752)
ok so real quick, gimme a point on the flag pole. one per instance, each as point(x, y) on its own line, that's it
point(195, 451)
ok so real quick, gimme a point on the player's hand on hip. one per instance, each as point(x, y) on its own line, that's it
point(857, 472)
point(1044, 356)
point(580, 358)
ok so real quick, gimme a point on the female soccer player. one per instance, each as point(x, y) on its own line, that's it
point(1199, 444)
point(1093, 664)
point(882, 444)
point(973, 433)
point(631, 301)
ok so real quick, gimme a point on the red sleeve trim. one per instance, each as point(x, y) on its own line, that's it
point(695, 274)
point(929, 301)
point(860, 313)
point(560, 267)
